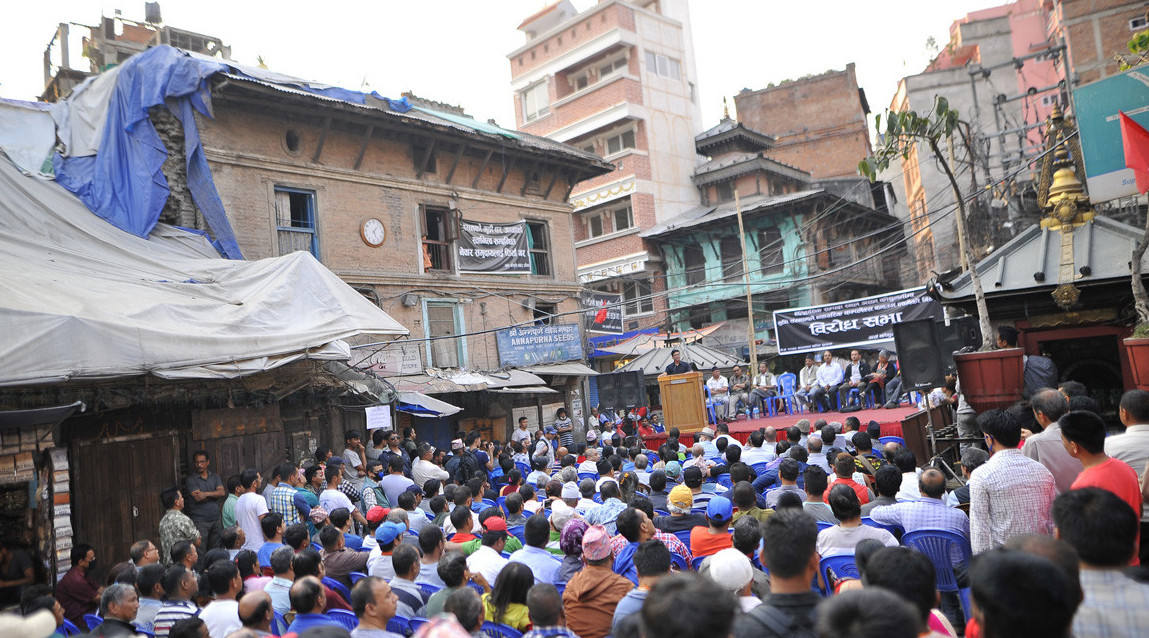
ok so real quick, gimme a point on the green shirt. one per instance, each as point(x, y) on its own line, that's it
point(435, 602)
point(513, 545)
point(229, 511)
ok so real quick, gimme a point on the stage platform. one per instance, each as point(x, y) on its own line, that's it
point(889, 420)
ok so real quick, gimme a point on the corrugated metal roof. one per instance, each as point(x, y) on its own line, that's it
point(707, 214)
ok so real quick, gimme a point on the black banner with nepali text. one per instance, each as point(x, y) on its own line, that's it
point(867, 322)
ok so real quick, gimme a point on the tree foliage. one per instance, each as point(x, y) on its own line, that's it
point(901, 131)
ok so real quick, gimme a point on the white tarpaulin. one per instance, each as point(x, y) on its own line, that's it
point(80, 298)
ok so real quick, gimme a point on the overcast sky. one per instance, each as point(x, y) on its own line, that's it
point(455, 50)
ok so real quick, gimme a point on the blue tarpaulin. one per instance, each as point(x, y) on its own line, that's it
point(124, 182)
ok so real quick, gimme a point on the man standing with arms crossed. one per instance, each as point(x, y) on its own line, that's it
point(206, 490)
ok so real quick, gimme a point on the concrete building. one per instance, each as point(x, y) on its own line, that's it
point(805, 245)
point(617, 80)
point(1000, 73)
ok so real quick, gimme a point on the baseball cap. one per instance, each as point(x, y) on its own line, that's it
point(731, 569)
point(550, 430)
point(719, 510)
point(673, 469)
point(495, 524)
point(389, 531)
point(570, 490)
point(318, 515)
point(457, 444)
point(414, 489)
point(681, 497)
point(596, 543)
point(375, 514)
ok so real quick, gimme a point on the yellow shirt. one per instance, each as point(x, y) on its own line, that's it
point(515, 616)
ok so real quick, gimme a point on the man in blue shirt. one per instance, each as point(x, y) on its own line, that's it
point(544, 565)
point(308, 601)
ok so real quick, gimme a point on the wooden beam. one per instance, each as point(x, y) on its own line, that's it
point(483, 167)
point(506, 171)
point(571, 181)
point(363, 147)
point(322, 139)
point(426, 157)
point(551, 185)
point(455, 164)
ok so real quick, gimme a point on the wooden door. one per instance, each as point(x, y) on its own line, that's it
point(116, 489)
point(233, 454)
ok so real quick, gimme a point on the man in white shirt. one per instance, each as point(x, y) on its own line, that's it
point(829, 378)
point(354, 460)
point(332, 498)
point(761, 448)
point(250, 510)
point(845, 536)
point(222, 614)
point(807, 378)
point(1132, 447)
point(424, 469)
point(591, 462)
point(488, 559)
point(719, 389)
point(521, 433)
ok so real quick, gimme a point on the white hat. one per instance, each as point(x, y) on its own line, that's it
point(591, 434)
point(38, 625)
point(570, 490)
point(731, 569)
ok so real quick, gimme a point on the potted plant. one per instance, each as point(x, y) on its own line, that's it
point(989, 378)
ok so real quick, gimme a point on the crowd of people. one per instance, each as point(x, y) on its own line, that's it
point(810, 531)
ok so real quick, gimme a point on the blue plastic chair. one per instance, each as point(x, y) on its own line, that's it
point(759, 468)
point(724, 480)
point(679, 561)
point(588, 475)
point(661, 513)
point(356, 577)
point(316, 546)
point(696, 562)
point(478, 588)
point(279, 624)
point(518, 531)
point(684, 536)
point(823, 525)
point(428, 588)
point(938, 545)
point(563, 586)
point(496, 630)
point(93, 621)
point(502, 503)
point(842, 565)
point(787, 383)
point(345, 618)
point(652, 457)
point(882, 440)
point(896, 530)
point(399, 625)
point(710, 407)
point(69, 628)
point(339, 588)
point(416, 624)
point(489, 503)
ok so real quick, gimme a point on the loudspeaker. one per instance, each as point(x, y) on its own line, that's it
point(632, 389)
point(961, 332)
point(919, 355)
point(607, 391)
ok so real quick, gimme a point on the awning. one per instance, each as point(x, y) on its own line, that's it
point(647, 342)
point(419, 404)
point(570, 369)
point(511, 379)
point(39, 416)
point(532, 389)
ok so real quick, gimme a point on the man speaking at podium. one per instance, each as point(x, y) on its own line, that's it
point(677, 366)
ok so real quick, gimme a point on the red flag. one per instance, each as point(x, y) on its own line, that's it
point(600, 316)
point(1135, 139)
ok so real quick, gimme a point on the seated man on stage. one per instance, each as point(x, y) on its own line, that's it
point(765, 387)
point(883, 371)
point(807, 379)
point(719, 389)
point(739, 394)
point(829, 379)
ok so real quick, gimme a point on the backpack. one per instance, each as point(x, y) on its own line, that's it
point(781, 624)
point(465, 468)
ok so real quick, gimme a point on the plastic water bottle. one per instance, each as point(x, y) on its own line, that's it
point(754, 413)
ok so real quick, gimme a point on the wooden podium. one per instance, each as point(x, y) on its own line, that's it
point(683, 405)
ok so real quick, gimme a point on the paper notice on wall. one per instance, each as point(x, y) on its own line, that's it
point(379, 417)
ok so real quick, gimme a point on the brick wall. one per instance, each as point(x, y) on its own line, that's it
point(576, 34)
point(1096, 31)
point(593, 99)
point(818, 121)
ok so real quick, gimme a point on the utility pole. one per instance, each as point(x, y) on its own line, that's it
point(751, 335)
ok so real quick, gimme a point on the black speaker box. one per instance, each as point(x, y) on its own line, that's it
point(961, 333)
point(632, 389)
point(607, 391)
point(919, 354)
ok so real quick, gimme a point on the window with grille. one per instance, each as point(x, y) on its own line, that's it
point(536, 102)
point(620, 141)
point(295, 221)
point(694, 261)
point(636, 297)
point(770, 251)
point(538, 243)
point(731, 251)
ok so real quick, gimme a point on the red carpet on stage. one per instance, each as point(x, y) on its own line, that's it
point(889, 420)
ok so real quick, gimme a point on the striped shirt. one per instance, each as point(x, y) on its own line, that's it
point(172, 612)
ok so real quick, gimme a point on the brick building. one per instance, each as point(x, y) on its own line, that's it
point(617, 80)
point(819, 122)
point(1095, 33)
